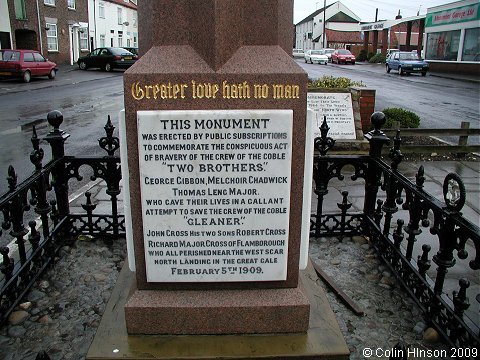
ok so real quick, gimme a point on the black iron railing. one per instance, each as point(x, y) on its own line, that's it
point(388, 199)
point(387, 195)
point(46, 191)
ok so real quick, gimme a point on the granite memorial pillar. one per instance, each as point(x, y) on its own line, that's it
point(215, 117)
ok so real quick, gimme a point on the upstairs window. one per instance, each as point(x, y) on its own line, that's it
point(101, 10)
point(71, 4)
point(119, 15)
point(20, 12)
point(49, 2)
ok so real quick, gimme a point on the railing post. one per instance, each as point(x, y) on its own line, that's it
point(110, 144)
point(377, 139)
point(56, 138)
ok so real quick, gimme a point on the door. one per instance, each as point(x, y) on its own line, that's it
point(43, 67)
point(92, 59)
point(105, 56)
point(74, 44)
point(30, 64)
point(396, 61)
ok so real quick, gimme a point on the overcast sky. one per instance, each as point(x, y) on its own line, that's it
point(365, 9)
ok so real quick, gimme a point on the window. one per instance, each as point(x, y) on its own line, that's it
point(83, 38)
point(49, 2)
point(471, 48)
point(101, 10)
point(120, 40)
point(38, 57)
point(28, 57)
point(119, 14)
point(102, 40)
point(9, 55)
point(134, 20)
point(71, 4)
point(20, 12)
point(52, 40)
point(135, 41)
point(443, 45)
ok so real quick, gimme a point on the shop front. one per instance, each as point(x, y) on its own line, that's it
point(452, 37)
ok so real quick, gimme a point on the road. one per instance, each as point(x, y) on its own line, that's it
point(86, 98)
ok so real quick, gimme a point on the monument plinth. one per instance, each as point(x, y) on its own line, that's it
point(215, 113)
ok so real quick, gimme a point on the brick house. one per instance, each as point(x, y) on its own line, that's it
point(57, 28)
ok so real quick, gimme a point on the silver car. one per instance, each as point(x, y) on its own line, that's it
point(316, 57)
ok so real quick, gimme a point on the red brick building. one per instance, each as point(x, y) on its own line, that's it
point(57, 28)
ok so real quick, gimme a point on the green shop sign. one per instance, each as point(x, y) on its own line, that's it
point(452, 16)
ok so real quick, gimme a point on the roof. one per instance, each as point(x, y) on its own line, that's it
point(347, 37)
point(128, 4)
point(312, 15)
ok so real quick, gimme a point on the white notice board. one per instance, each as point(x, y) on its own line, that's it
point(215, 189)
point(338, 109)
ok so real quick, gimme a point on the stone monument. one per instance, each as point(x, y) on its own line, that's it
point(215, 113)
point(215, 124)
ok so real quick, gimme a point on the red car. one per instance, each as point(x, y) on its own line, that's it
point(343, 55)
point(24, 64)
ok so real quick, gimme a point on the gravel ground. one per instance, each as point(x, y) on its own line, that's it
point(390, 315)
point(64, 309)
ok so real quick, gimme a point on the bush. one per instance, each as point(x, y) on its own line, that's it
point(362, 56)
point(370, 55)
point(331, 82)
point(407, 119)
point(378, 58)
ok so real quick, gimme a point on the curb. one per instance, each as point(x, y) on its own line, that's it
point(452, 77)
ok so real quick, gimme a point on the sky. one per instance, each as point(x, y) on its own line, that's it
point(365, 9)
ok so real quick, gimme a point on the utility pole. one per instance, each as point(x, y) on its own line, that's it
point(324, 34)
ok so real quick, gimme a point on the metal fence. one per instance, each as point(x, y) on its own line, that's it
point(394, 239)
point(46, 190)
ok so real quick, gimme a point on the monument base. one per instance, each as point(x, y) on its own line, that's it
point(322, 340)
point(217, 311)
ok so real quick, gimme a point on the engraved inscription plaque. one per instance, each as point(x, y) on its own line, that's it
point(215, 194)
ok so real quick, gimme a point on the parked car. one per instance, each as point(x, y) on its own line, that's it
point(316, 57)
point(405, 63)
point(298, 53)
point(24, 64)
point(343, 56)
point(329, 53)
point(108, 58)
